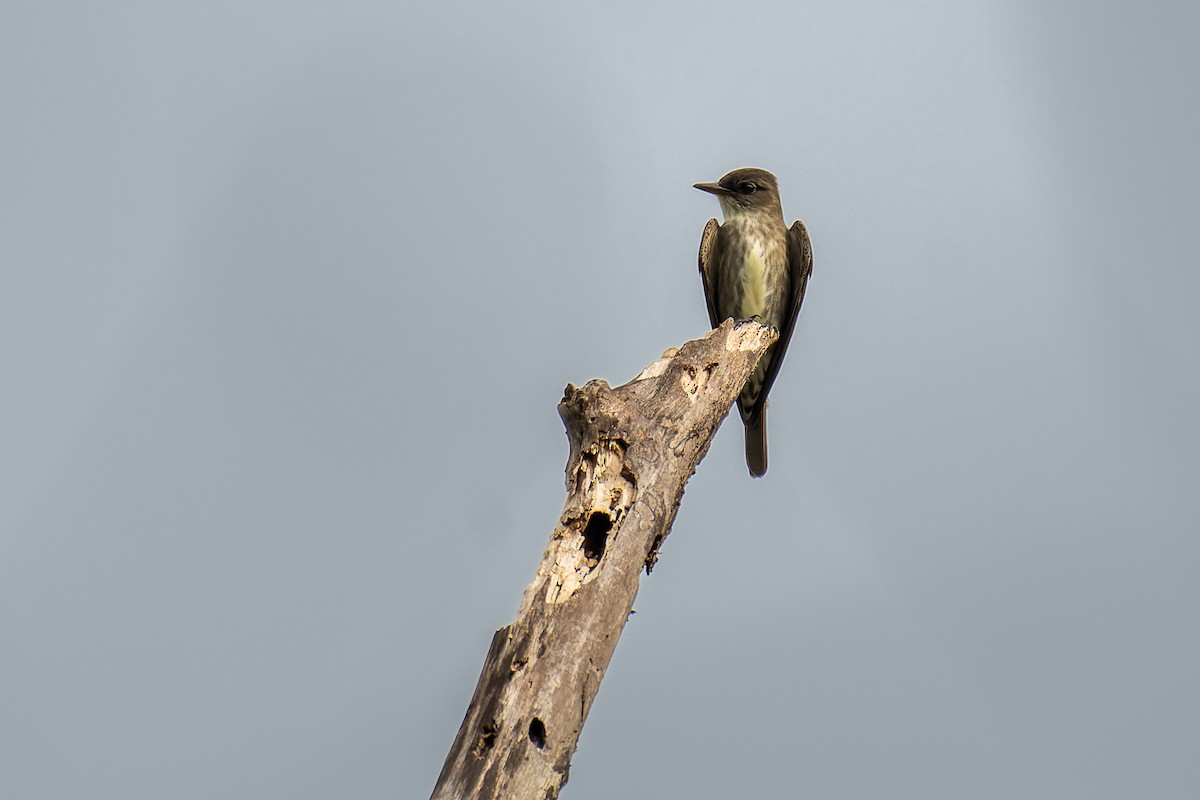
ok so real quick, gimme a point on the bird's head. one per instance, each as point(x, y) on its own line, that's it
point(745, 190)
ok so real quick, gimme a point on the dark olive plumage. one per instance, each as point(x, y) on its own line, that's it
point(755, 266)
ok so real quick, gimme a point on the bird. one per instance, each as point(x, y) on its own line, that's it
point(754, 267)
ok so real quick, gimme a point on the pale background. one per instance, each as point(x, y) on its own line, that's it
point(289, 292)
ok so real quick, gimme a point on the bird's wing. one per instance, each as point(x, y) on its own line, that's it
point(708, 268)
point(800, 262)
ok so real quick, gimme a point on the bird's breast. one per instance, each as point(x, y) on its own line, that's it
point(755, 271)
point(753, 296)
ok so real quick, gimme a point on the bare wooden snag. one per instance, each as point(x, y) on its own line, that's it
point(632, 450)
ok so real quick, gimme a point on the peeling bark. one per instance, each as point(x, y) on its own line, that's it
point(633, 449)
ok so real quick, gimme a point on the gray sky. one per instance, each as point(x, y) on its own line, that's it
point(289, 292)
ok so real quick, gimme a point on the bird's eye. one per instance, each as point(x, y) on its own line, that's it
point(746, 187)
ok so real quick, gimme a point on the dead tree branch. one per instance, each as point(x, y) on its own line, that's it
point(632, 450)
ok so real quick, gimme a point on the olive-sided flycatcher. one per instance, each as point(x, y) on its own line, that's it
point(754, 267)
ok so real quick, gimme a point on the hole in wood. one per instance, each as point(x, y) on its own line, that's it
point(595, 537)
point(487, 739)
point(537, 733)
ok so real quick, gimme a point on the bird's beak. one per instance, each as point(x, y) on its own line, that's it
point(713, 188)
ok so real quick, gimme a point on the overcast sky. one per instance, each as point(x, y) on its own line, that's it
point(289, 292)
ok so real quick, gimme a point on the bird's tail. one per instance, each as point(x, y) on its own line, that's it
point(756, 443)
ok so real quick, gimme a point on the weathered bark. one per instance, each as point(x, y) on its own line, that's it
point(632, 450)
